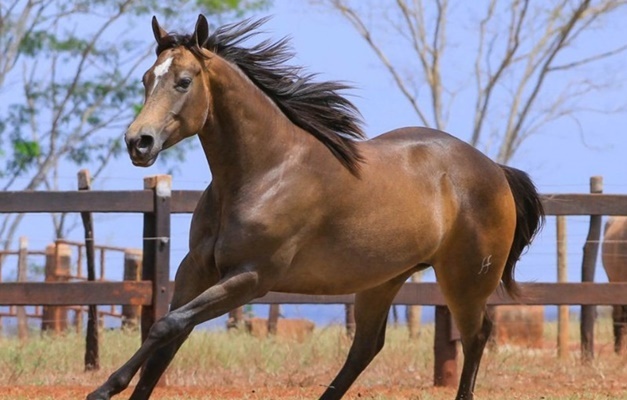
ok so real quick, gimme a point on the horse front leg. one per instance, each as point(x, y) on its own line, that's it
point(191, 280)
point(371, 313)
point(237, 289)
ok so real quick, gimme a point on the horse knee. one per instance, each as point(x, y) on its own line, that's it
point(169, 327)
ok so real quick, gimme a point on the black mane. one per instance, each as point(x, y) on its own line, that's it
point(316, 107)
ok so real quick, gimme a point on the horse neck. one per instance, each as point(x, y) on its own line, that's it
point(248, 134)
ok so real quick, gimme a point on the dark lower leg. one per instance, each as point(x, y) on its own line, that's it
point(215, 301)
point(155, 367)
point(360, 355)
point(473, 350)
point(162, 333)
point(371, 312)
point(619, 316)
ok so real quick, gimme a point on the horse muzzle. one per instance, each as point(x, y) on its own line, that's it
point(143, 149)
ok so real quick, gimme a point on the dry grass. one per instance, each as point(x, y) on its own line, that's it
point(272, 369)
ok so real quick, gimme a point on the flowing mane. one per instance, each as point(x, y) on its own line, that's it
point(316, 107)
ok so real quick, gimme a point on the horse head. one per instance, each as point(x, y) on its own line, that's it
point(175, 91)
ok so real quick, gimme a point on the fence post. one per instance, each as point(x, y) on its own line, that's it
point(588, 264)
point(132, 272)
point(22, 270)
point(57, 269)
point(414, 313)
point(273, 318)
point(156, 263)
point(92, 351)
point(562, 277)
point(445, 350)
point(349, 312)
point(236, 318)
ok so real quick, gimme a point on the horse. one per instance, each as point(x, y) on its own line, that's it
point(301, 202)
point(614, 257)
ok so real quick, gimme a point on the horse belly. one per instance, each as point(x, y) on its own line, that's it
point(350, 265)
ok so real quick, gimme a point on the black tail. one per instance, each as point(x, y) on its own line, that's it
point(529, 220)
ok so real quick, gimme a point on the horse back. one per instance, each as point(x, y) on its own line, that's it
point(429, 159)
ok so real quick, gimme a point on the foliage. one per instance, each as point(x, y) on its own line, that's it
point(70, 82)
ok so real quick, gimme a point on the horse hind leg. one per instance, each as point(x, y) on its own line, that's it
point(371, 312)
point(473, 346)
point(467, 279)
point(619, 317)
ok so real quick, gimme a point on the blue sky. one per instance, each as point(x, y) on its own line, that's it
point(557, 159)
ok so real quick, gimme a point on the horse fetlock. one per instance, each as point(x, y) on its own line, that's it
point(117, 382)
point(98, 395)
point(114, 385)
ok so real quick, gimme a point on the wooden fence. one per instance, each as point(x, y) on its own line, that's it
point(63, 260)
point(157, 202)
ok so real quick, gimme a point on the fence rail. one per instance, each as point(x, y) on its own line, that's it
point(157, 202)
point(425, 293)
point(184, 201)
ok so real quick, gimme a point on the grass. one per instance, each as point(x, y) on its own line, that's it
point(272, 368)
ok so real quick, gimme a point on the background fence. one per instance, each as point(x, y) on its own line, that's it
point(157, 202)
point(64, 261)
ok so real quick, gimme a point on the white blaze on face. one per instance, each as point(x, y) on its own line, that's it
point(159, 71)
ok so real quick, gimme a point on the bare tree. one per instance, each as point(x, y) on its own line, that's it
point(524, 59)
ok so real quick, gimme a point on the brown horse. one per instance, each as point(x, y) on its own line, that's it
point(614, 256)
point(300, 203)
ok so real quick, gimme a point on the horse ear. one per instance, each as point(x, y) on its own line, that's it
point(157, 30)
point(201, 33)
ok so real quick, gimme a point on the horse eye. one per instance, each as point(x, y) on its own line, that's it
point(184, 83)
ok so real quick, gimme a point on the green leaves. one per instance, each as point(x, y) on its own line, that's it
point(44, 43)
point(239, 7)
point(77, 85)
point(24, 151)
point(24, 155)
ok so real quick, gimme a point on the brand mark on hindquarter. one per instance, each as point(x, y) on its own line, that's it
point(485, 265)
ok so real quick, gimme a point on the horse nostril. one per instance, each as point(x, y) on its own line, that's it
point(141, 145)
point(145, 143)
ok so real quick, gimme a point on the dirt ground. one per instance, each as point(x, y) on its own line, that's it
point(278, 393)
point(170, 393)
point(398, 374)
point(550, 388)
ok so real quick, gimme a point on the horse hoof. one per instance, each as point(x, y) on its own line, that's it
point(97, 396)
